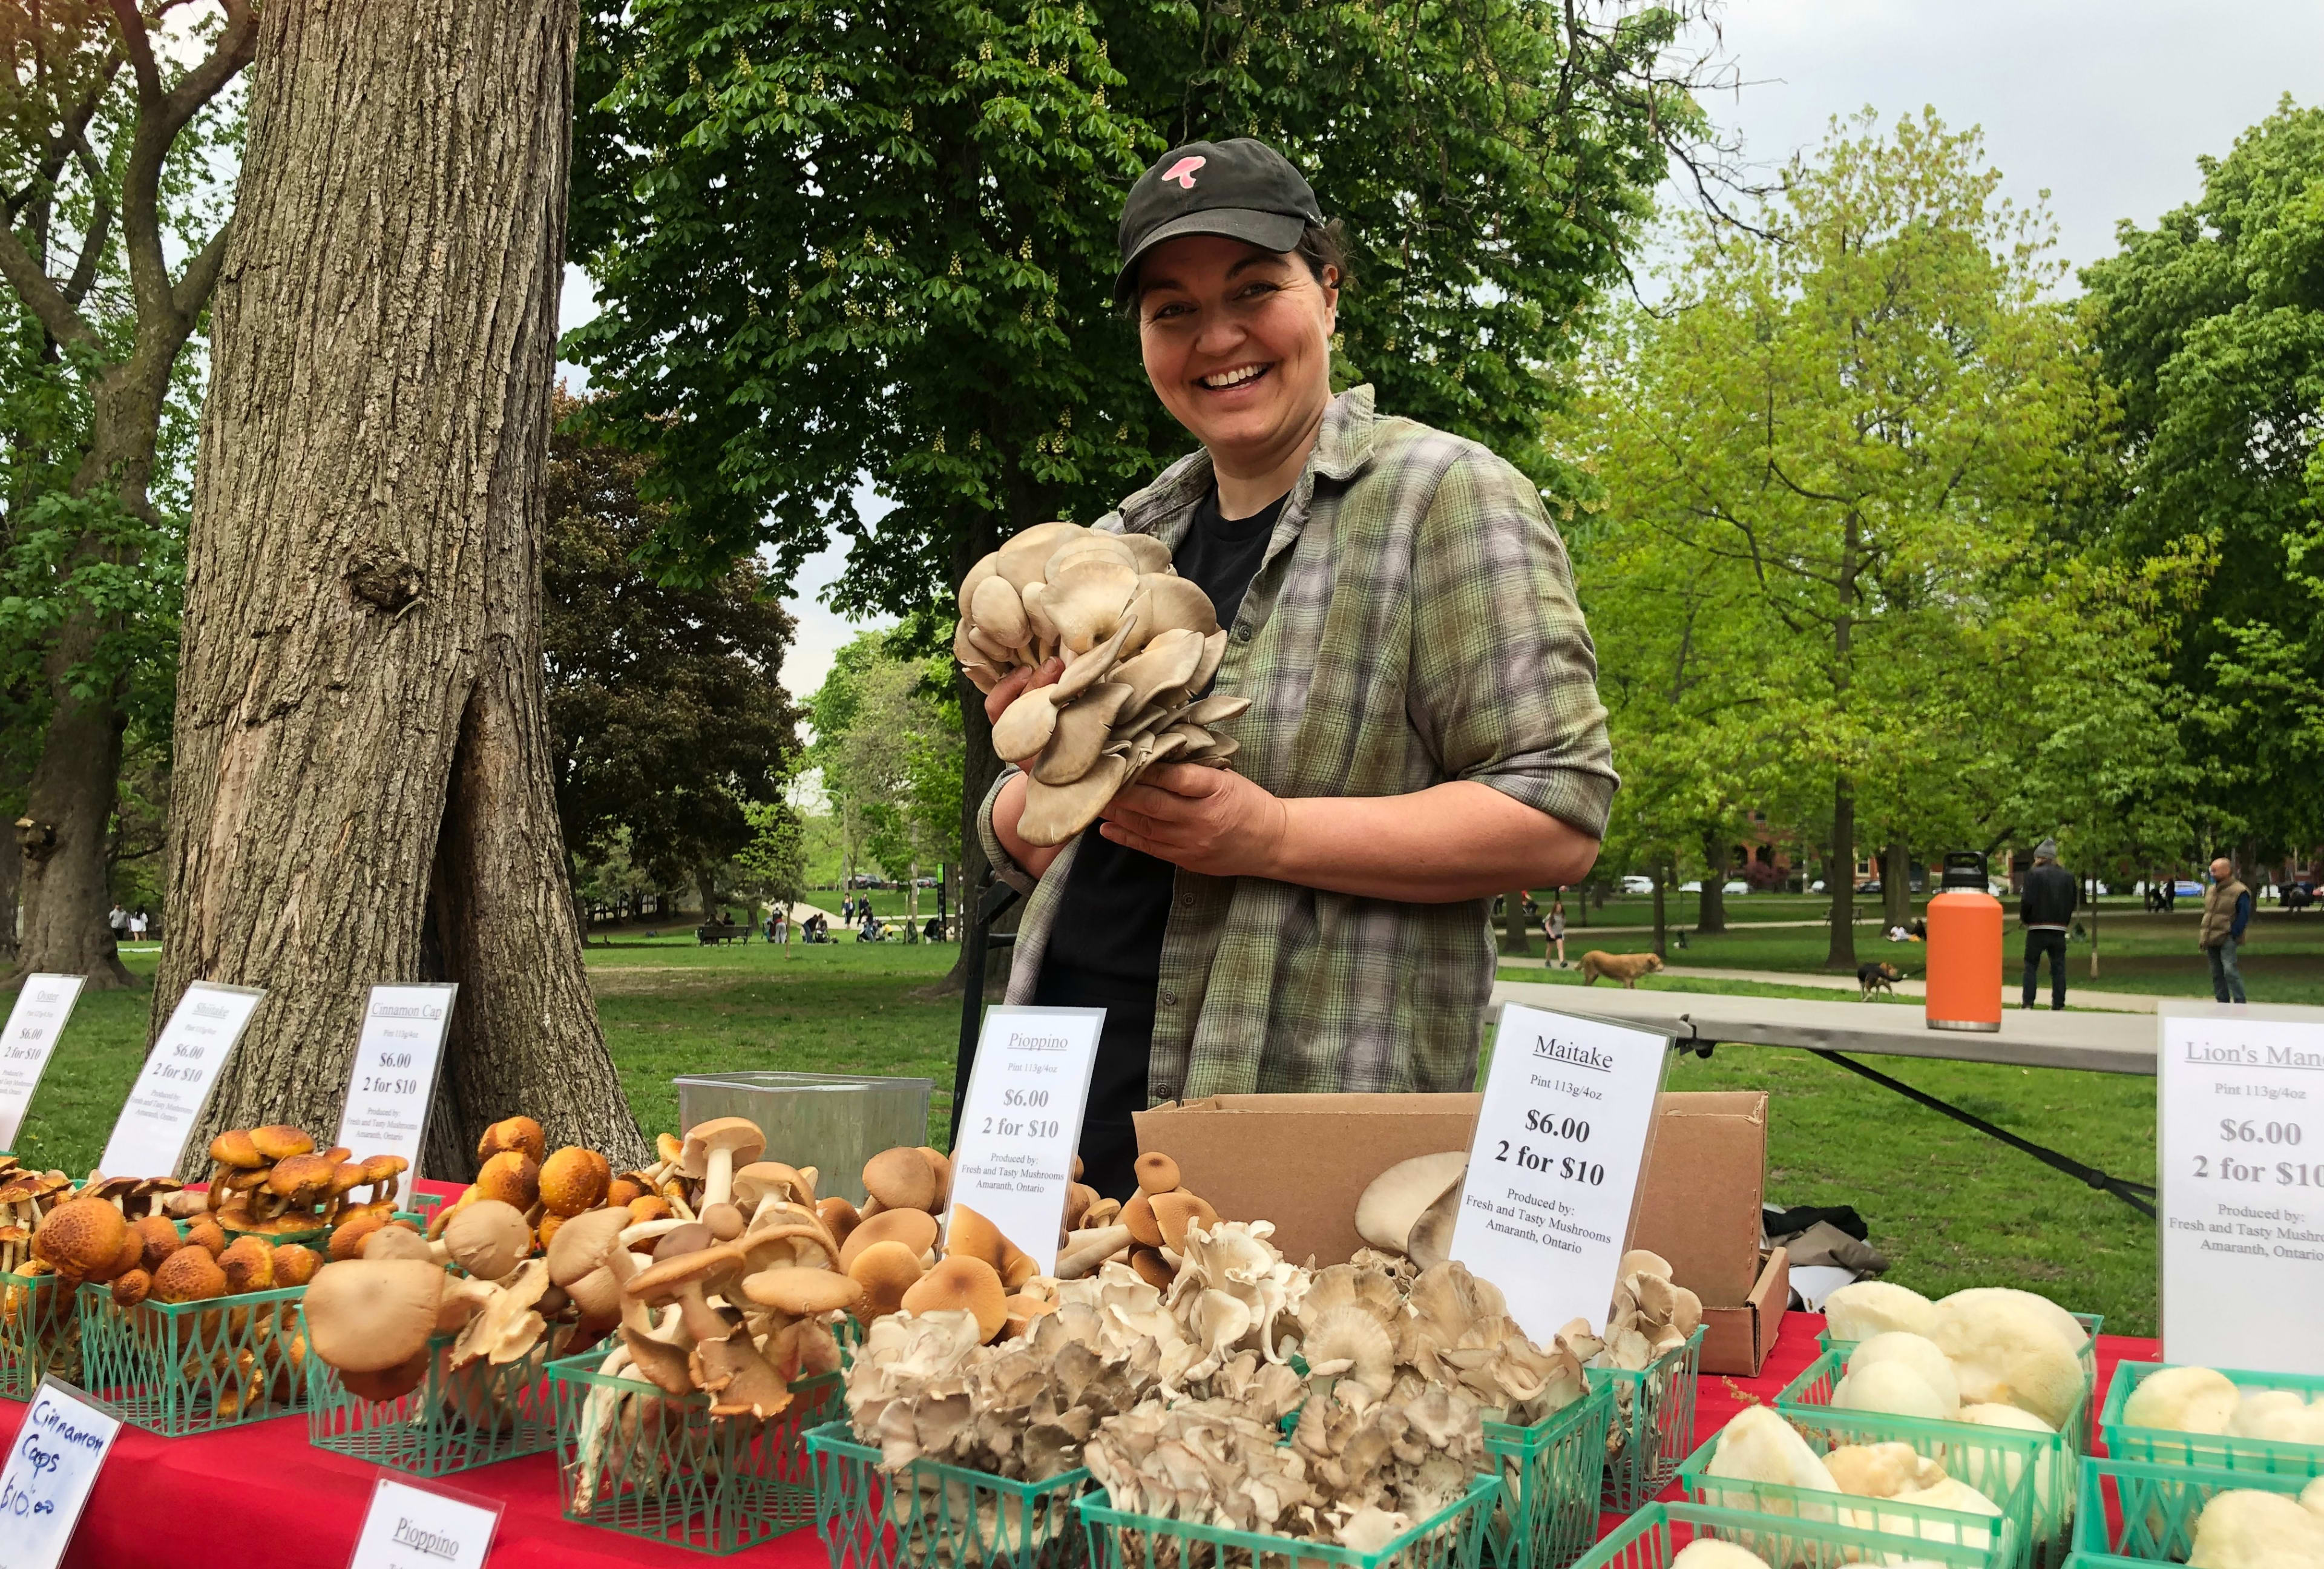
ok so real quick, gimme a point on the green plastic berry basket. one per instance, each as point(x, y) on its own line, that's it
point(1651, 1427)
point(1992, 1459)
point(40, 1334)
point(2091, 1324)
point(1453, 1538)
point(2137, 1513)
point(2005, 1540)
point(634, 1460)
point(455, 1420)
point(930, 1513)
point(1551, 1475)
point(1658, 1533)
point(179, 1368)
point(2211, 1450)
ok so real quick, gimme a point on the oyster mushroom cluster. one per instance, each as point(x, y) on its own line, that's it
point(1140, 645)
point(272, 1181)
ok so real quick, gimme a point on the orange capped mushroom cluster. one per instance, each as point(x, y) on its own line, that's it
point(273, 1182)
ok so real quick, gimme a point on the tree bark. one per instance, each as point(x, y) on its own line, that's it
point(1662, 930)
point(1517, 935)
point(1841, 877)
point(1711, 904)
point(1896, 884)
point(362, 787)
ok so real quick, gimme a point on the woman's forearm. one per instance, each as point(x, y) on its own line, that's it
point(1008, 807)
point(1450, 842)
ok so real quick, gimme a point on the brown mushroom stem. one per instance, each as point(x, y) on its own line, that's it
point(597, 1420)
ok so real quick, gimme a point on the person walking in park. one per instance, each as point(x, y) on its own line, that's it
point(779, 926)
point(1554, 926)
point(2044, 911)
point(116, 920)
point(2227, 910)
point(137, 923)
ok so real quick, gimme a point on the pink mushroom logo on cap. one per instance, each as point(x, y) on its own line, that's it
point(1182, 171)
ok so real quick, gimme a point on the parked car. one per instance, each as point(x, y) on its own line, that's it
point(1732, 888)
point(1869, 885)
point(1638, 885)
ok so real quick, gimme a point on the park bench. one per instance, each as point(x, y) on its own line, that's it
point(717, 931)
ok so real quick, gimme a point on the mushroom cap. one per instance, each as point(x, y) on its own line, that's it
point(651, 1206)
point(207, 1235)
point(899, 1179)
point(998, 614)
point(518, 1133)
point(190, 1275)
point(302, 1178)
point(1152, 1267)
point(885, 1270)
point(367, 1315)
point(1163, 667)
point(395, 1241)
point(132, 1286)
point(159, 1238)
point(383, 1168)
point(973, 581)
point(806, 1246)
point(801, 1292)
point(249, 1266)
point(725, 1221)
point(234, 1147)
point(1138, 1215)
point(838, 1216)
point(82, 1237)
point(669, 1279)
point(759, 1179)
point(1157, 1173)
point(295, 1265)
point(1025, 726)
point(1087, 599)
point(1174, 1212)
point(1084, 727)
point(915, 1229)
point(1024, 556)
point(280, 1141)
point(1085, 670)
point(131, 1254)
point(687, 1237)
point(966, 1283)
point(969, 1233)
point(510, 1176)
point(1395, 1199)
point(739, 1136)
point(1055, 813)
point(575, 1179)
point(581, 1244)
point(488, 1238)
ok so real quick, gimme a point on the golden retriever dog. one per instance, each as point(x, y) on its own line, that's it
point(1624, 967)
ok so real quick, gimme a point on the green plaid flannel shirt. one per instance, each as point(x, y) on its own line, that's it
point(1413, 621)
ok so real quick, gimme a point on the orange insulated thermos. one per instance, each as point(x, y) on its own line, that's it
point(1964, 948)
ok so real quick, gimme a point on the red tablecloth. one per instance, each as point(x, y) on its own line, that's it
point(260, 1497)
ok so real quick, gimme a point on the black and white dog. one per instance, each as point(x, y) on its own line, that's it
point(1876, 976)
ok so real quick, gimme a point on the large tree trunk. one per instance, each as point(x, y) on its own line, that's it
point(1662, 927)
point(978, 769)
point(1516, 932)
point(1896, 884)
point(1711, 904)
point(363, 787)
point(1839, 877)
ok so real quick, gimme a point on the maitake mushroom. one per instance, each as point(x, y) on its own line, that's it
point(1140, 645)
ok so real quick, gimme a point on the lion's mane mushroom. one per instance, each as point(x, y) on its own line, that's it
point(1863, 1308)
point(1927, 1386)
point(1711, 1553)
point(2185, 1400)
point(2244, 1528)
point(2012, 1347)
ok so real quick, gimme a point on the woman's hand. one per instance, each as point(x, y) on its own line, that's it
point(1209, 820)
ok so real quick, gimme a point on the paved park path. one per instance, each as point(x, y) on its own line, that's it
point(2076, 997)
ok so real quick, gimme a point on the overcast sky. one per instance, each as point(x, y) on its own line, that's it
point(2105, 103)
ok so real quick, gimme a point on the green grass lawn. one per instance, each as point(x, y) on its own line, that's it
point(1950, 1206)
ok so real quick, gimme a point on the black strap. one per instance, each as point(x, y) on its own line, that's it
point(2138, 1195)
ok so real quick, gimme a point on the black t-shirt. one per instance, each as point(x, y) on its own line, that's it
point(1105, 945)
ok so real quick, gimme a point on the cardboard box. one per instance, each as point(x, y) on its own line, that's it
point(1699, 1200)
point(1302, 1161)
point(1737, 1340)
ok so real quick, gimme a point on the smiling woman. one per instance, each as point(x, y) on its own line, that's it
point(1425, 729)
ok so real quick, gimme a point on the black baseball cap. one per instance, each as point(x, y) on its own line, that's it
point(1243, 189)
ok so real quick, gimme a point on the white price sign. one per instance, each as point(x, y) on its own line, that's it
point(1016, 1128)
point(2241, 1125)
point(1555, 1165)
point(150, 1135)
point(411, 1526)
point(394, 1074)
point(42, 1005)
point(51, 1466)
